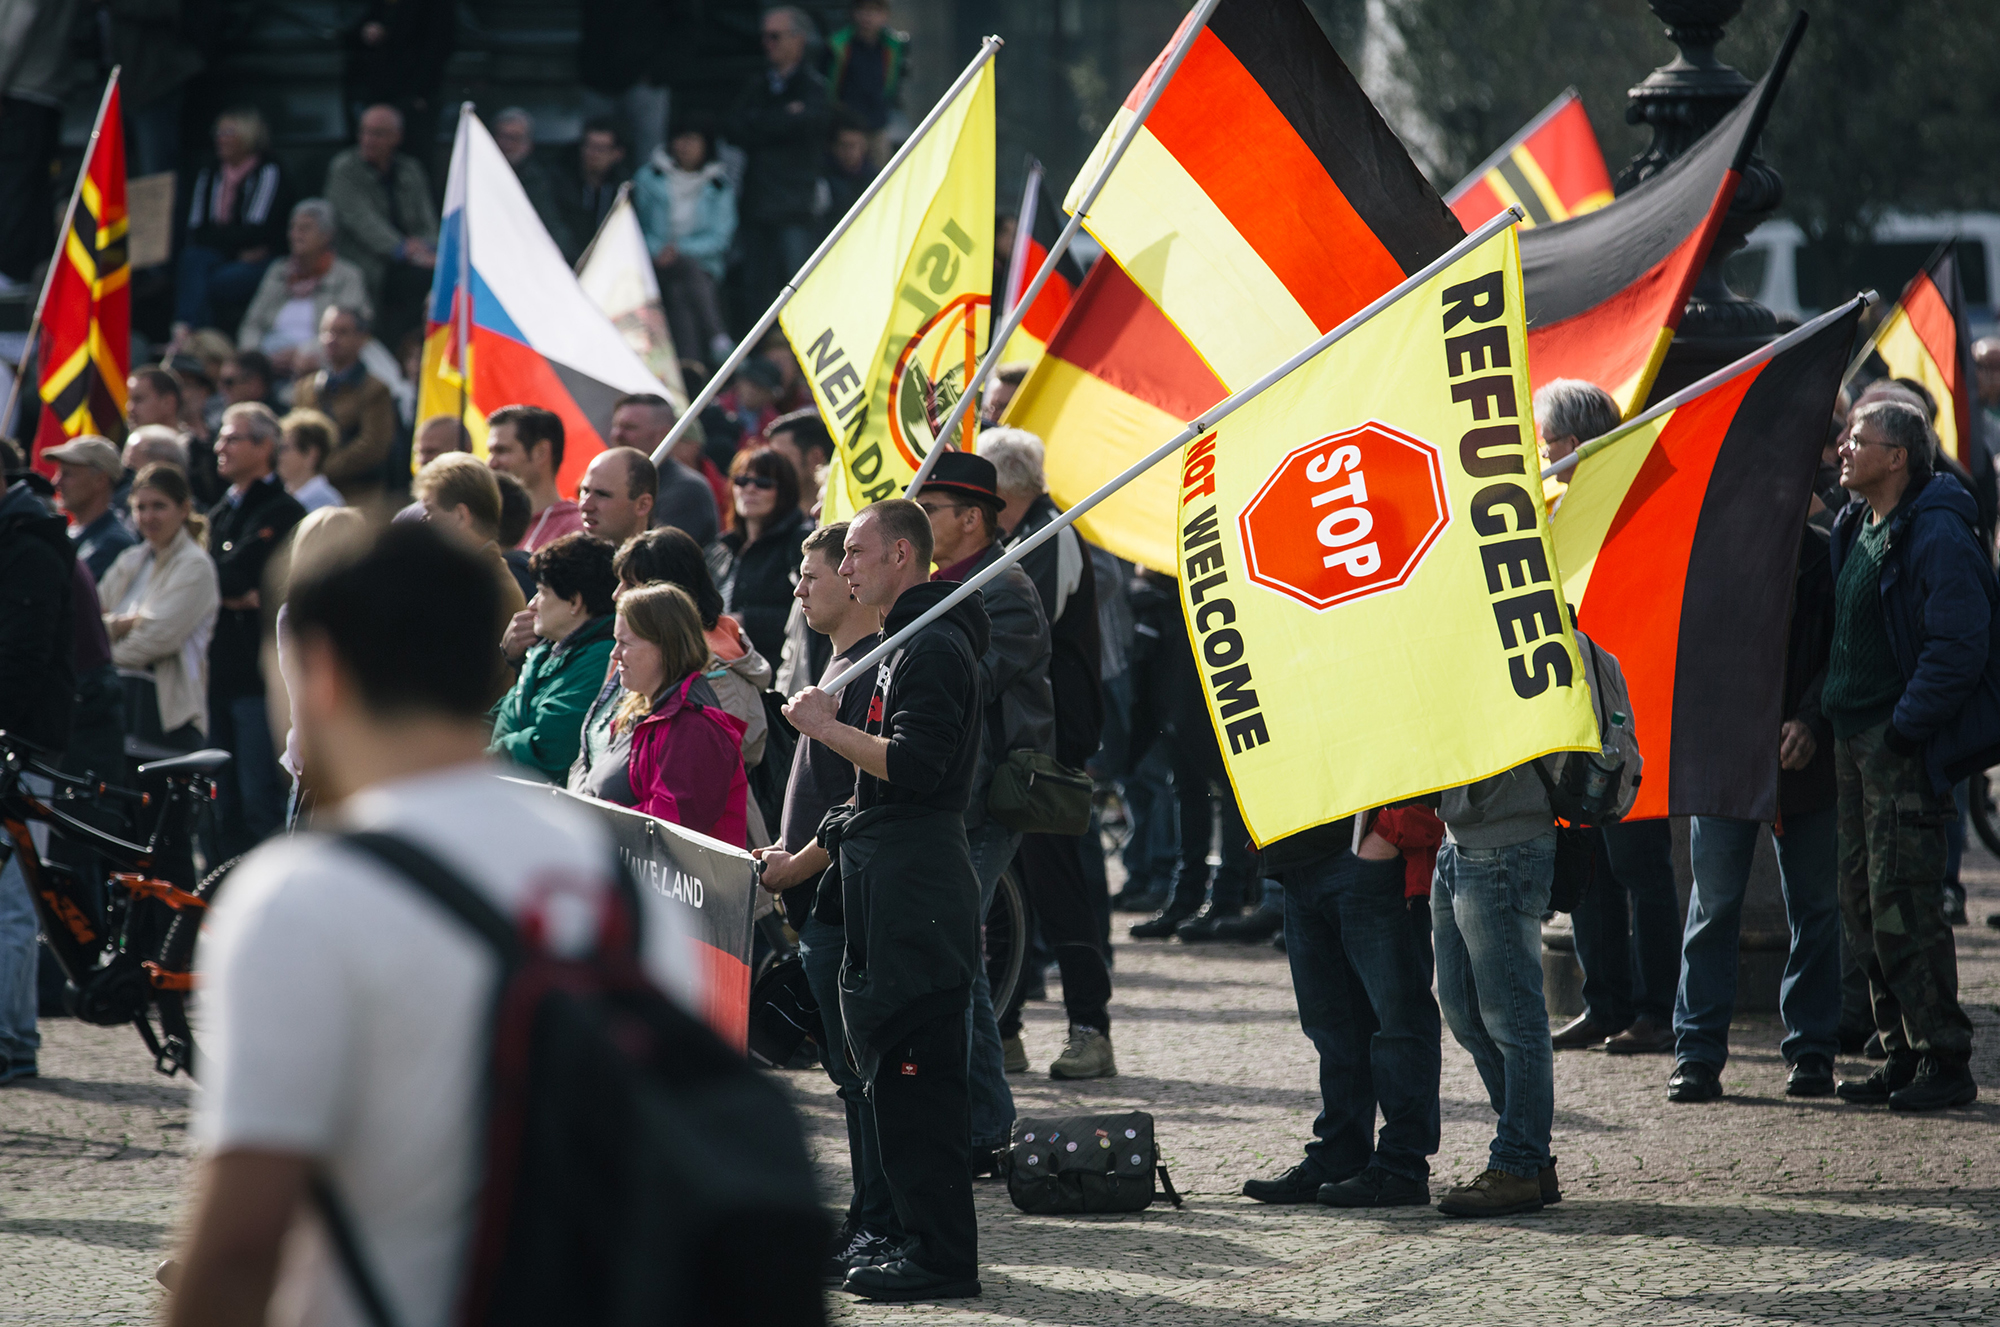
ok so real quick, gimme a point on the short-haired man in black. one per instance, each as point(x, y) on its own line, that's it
point(683, 498)
point(909, 897)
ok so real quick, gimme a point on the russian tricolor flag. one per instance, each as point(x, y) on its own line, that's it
point(508, 324)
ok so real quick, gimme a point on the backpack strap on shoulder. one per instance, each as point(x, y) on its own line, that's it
point(347, 1246)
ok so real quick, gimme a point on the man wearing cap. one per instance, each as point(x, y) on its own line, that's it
point(91, 469)
point(962, 498)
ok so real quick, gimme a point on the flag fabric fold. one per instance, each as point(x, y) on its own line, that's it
point(616, 271)
point(1924, 339)
point(83, 350)
point(1365, 565)
point(1117, 380)
point(890, 326)
point(1606, 290)
point(507, 321)
point(1678, 539)
point(1247, 270)
point(1553, 169)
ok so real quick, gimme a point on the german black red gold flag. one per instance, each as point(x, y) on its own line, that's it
point(1678, 540)
point(1553, 169)
point(1606, 290)
point(1034, 235)
point(1264, 201)
point(84, 349)
point(1924, 339)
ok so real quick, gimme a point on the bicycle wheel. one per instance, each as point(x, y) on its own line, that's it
point(1006, 938)
point(176, 956)
point(1986, 810)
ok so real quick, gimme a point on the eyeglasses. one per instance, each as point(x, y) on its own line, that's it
point(764, 482)
point(1856, 443)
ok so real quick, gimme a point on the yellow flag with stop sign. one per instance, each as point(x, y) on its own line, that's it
point(1366, 566)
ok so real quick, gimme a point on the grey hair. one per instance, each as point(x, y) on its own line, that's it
point(155, 442)
point(1574, 408)
point(1904, 426)
point(802, 24)
point(1017, 457)
point(515, 113)
point(385, 106)
point(255, 416)
point(321, 212)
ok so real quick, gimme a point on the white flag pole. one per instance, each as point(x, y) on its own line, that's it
point(1208, 419)
point(1713, 380)
point(996, 343)
point(1024, 226)
point(720, 378)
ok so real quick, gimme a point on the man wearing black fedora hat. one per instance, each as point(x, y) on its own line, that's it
point(962, 498)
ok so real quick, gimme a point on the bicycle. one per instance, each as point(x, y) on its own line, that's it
point(128, 954)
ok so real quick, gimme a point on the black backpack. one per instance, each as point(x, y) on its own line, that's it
point(636, 1170)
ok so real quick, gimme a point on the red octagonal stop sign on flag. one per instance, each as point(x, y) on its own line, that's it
point(1350, 515)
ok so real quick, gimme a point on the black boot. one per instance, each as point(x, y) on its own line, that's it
point(1942, 1081)
point(1183, 905)
point(1260, 923)
point(1897, 1072)
point(1202, 925)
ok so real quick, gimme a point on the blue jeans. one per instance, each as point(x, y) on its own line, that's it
point(993, 846)
point(20, 1039)
point(1486, 912)
point(203, 276)
point(820, 949)
point(254, 786)
point(1156, 834)
point(1809, 995)
point(1362, 975)
point(1629, 964)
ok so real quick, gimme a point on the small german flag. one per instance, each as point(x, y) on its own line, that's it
point(1264, 201)
point(1553, 169)
point(1118, 379)
point(1924, 339)
point(84, 349)
point(1606, 290)
point(1678, 541)
point(1034, 234)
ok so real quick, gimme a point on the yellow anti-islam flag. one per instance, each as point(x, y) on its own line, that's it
point(890, 326)
point(1367, 570)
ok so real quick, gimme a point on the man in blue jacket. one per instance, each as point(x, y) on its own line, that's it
point(1912, 697)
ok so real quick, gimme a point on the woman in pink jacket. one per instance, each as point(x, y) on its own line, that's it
point(687, 754)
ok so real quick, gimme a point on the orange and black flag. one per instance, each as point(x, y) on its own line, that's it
point(1924, 339)
point(1678, 540)
point(1264, 201)
point(84, 351)
point(1606, 290)
point(1034, 235)
point(1553, 170)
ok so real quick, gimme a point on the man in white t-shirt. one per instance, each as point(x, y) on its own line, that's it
point(346, 1014)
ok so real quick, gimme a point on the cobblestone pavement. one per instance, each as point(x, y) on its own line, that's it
point(1754, 1209)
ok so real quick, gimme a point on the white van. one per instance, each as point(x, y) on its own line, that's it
point(1782, 270)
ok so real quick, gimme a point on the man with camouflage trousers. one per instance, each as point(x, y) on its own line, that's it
point(1911, 693)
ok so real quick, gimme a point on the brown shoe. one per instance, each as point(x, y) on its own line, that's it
point(1582, 1033)
point(1644, 1037)
point(1494, 1193)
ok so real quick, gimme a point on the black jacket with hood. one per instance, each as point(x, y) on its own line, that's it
point(37, 669)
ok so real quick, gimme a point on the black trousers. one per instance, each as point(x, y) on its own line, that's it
point(923, 1127)
point(1052, 875)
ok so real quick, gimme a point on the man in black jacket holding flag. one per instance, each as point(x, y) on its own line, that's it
point(910, 898)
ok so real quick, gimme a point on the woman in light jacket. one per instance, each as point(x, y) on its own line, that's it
point(687, 210)
point(160, 599)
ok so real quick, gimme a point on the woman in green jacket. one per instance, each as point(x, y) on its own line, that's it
point(536, 724)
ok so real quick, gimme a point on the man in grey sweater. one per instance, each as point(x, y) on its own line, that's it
point(1492, 887)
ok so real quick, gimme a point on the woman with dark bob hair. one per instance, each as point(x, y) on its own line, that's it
point(538, 723)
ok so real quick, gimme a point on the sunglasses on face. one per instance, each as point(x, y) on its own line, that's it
point(764, 482)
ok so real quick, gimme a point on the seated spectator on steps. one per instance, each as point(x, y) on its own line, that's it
point(686, 762)
point(235, 226)
point(687, 210)
point(587, 186)
point(514, 132)
point(305, 437)
point(752, 398)
point(359, 405)
point(536, 724)
point(526, 441)
point(284, 317)
point(388, 223)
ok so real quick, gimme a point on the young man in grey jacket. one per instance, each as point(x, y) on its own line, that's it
point(1494, 873)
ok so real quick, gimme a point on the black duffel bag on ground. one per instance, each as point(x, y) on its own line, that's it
point(1086, 1163)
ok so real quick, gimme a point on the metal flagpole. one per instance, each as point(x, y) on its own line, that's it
point(1024, 226)
point(462, 302)
point(987, 50)
point(1715, 379)
point(28, 346)
point(1208, 419)
point(996, 344)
